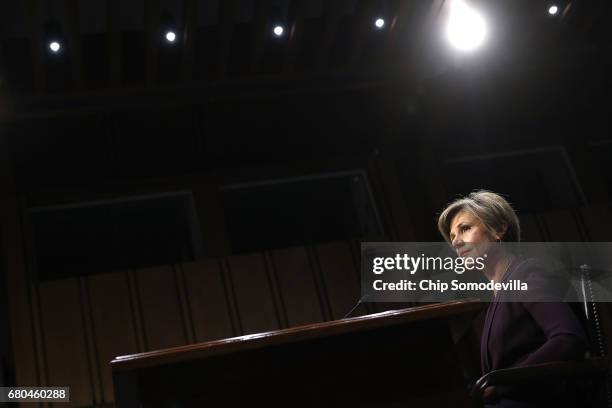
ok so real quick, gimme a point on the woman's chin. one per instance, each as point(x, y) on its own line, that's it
point(465, 254)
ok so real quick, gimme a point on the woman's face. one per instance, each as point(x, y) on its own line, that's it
point(469, 236)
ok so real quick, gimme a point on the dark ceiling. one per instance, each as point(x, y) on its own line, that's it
point(113, 51)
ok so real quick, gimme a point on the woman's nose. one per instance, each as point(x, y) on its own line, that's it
point(457, 242)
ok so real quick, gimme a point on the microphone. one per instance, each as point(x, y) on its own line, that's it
point(364, 297)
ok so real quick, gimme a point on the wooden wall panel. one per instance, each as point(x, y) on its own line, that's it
point(340, 275)
point(255, 304)
point(66, 354)
point(93, 362)
point(163, 320)
point(17, 284)
point(208, 301)
point(390, 204)
point(299, 293)
point(92, 320)
point(113, 323)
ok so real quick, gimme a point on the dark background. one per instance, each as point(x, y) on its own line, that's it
point(124, 152)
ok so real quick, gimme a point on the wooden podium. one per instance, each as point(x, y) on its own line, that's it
point(387, 359)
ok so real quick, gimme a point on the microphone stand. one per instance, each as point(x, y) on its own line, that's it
point(364, 297)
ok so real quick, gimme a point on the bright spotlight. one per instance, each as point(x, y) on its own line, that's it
point(170, 36)
point(379, 23)
point(466, 28)
point(278, 30)
point(552, 10)
point(55, 46)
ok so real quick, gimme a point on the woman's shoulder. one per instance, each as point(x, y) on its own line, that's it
point(544, 279)
point(527, 265)
point(522, 264)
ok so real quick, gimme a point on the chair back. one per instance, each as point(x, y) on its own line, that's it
point(592, 318)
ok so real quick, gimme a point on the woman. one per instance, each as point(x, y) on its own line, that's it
point(515, 334)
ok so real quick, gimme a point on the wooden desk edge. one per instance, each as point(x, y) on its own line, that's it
point(291, 335)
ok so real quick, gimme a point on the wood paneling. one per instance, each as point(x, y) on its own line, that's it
point(390, 205)
point(97, 318)
point(300, 296)
point(163, 320)
point(90, 344)
point(113, 323)
point(340, 277)
point(208, 301)
point(65, 345)
point(17, 282)
point(253, 295)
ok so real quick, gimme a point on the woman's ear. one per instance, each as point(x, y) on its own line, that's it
point(502, 232)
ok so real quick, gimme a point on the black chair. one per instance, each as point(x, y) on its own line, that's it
point(589, 377)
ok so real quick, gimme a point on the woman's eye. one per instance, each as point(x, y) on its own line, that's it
point(465, 228)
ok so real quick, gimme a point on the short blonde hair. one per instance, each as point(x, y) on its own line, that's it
point(490, 208)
